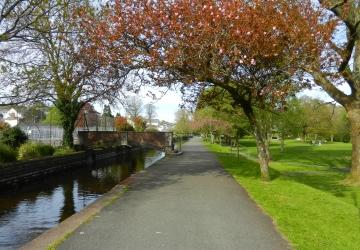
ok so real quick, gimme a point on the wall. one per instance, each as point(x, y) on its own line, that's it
point(26, 170)
point(161, 140)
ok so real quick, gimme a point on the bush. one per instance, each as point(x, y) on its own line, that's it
point(121, 124)
point(151, 129)
point(3, 126)
point(64, 151)
point(13, 137)
point(7, 154)
point(32, 150)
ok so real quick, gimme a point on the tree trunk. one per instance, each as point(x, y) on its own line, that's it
point(69, 112)
point(261, 141)
point(332, 138)
point(282, 145)
point(69, 127)
point(354, 117)
point(237, 148)
point(263, 154)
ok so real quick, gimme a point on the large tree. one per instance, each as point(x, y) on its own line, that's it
point(133, 107)
point(150, 112)
point(341, 65)
point(250, 49)
point(53, 64)
point(16, 19)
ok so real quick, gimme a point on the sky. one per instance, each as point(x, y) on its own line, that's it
point(170, 102)
point(318, 93)
point(166, 103)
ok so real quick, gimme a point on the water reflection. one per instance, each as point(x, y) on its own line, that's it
point(29, 210)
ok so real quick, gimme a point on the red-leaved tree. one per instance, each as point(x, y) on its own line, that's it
point(121, 124)
point(252, 49)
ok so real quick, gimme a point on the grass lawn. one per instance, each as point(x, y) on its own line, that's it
point(305, 198)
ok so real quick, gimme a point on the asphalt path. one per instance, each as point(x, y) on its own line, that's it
point(181, 202)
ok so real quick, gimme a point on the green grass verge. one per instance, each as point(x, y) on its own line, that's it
point(306, 198)
point(57, 243)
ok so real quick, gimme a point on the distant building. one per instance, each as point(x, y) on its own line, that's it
point(11, 116)
point(166, 126)
point(154, 123)
point(88, 117)
point(162, 126)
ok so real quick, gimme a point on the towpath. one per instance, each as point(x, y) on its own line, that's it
point(182, 202)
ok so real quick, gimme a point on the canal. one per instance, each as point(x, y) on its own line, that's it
point(28, 210)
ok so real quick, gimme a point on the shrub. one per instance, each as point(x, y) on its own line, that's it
point(139, 124)
point(7, 154)
point(32, 150)
point(63, 151)
point(151, 129)
point(13, 137)
point(121, 124)
point(4, 125)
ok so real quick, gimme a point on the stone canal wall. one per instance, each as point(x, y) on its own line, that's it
point(25, 170)
point(160, 140)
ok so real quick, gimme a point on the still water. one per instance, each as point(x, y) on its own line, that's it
point(29, 210)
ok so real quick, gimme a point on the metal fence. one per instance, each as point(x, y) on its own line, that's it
point(53, 135)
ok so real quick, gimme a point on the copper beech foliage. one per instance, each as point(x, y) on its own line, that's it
point(252, 47)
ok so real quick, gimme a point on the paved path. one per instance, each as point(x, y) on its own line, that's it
point(183, 202)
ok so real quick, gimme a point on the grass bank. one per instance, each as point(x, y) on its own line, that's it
point(306, 198)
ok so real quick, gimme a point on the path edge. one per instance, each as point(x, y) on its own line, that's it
point(252, 199)
point(53, 237)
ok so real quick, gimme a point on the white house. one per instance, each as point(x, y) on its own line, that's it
point(10, 116)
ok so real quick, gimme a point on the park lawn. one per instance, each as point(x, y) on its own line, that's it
point(306, 198)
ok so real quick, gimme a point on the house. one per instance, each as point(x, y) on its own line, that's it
point(11, 116)
point(165, 126)
point(154, 123)
point(88, 117)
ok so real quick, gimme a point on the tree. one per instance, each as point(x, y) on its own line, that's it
point(139, 124)
point(107, 111)
point(343, 127)
point(340, 64)
point(53, 117)
point(121, 124)
point(16, 19)
point(17, 16)
point(54, 63)
point(313, 119)
point(13, 137)
point(133, 107)
point(209, 122)
point(150, 111)
point(236, 45)
point(215, 113)
point(182, 122)
point(33, 113)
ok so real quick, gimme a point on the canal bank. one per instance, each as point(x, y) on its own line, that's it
point(52, 238)
point(27, 210)
point(182, 202)
point(19, 172)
